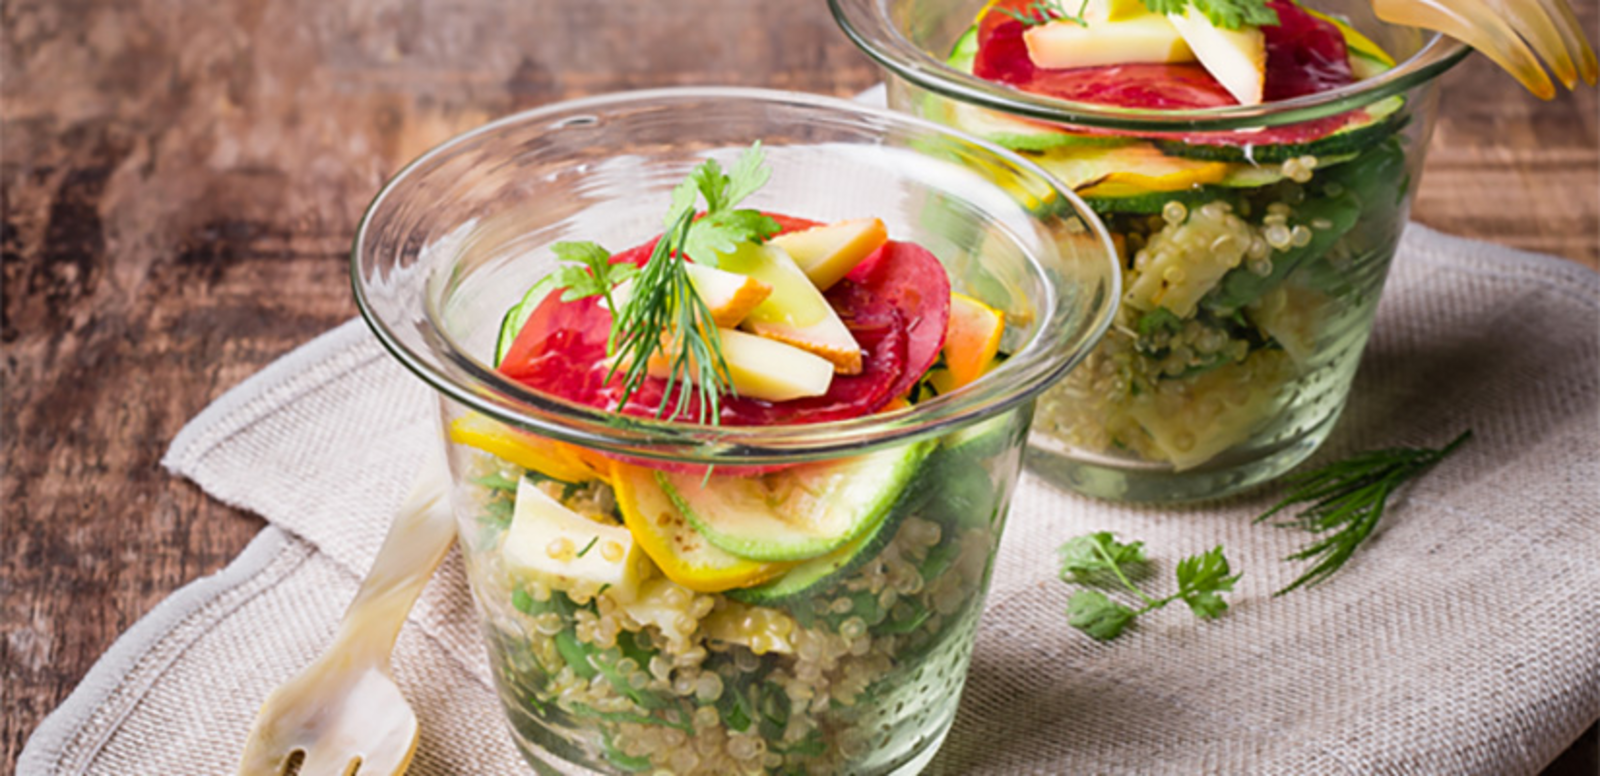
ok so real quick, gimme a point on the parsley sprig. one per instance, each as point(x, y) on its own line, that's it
point(1098, 559)
point(663, 312)
point(1348, 498)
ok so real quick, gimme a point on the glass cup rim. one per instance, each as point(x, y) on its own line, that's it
point(884, 42)
point(1042, 359)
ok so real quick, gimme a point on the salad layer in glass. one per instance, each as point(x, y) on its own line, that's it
point(764, 606)
point(1254, 208)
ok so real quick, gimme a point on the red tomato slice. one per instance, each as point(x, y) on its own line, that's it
point(1002, 54)
point(1163, 87)
point(1305, 55)
point(561, 349)
point(877, 327)
point(916, 284)
point(896, 304)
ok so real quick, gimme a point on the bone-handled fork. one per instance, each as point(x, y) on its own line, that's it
point(1503, 31)
point(343, 714)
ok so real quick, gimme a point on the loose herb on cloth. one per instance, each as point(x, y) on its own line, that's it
point(1098, 559)
point(1348, 498)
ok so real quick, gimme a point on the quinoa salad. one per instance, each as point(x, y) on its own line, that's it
point(843, 676)
point(662, 615)
point(1252, 259)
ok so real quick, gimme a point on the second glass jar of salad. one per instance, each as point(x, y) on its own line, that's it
point(1255, 163)
point(733, 427)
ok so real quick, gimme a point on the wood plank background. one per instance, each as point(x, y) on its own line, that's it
point(180, 181)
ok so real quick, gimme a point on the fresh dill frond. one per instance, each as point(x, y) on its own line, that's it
point(1347, 498)
point(665, 313)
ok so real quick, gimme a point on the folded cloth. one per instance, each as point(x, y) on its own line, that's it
point(1463, 639)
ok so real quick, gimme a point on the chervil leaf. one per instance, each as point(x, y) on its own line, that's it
point(721, 230)
point(1098, 558)
point(586, 253)
point(705, 180)
point(748, 175)
point(1201, 578)
point(586, 270)
point(720, 234)
point(1097, 615)
point(1093, 557)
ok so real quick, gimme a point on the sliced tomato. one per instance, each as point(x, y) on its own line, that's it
point(914, 282)
point(887, 304)
point(877, 327)
point(1305, 55)
point(791, 223)
point(1002, 54)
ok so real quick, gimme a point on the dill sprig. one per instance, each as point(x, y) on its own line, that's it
point(1348, 498)
point(666, 314)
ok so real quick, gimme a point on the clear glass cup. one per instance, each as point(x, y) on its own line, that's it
point(853, 663)
point(1254, 247)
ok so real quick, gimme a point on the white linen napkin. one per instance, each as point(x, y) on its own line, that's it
point(1464, 639)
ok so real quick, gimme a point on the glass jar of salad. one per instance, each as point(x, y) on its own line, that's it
point(770, 555)
point(1255, 170)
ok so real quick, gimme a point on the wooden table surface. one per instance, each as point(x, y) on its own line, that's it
point(181, 181)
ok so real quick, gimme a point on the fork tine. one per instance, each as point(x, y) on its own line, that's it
point(388, 761)
point(1577, 44)
point(327, 761)
point(1475, 24)
point(1531, 21)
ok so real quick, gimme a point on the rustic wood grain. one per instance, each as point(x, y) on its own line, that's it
point(179, 182)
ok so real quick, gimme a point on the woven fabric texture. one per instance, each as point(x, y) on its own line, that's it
point(1465, 639)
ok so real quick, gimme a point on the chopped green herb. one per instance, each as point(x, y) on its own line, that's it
point(587, 547)
point(735, 708)
point(522, 601)
point(621, 759)
point(919, 615)
point(497, 512)
point(1348, 498)
point(623, 716)
point(1159, 319)
point(497, 481)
